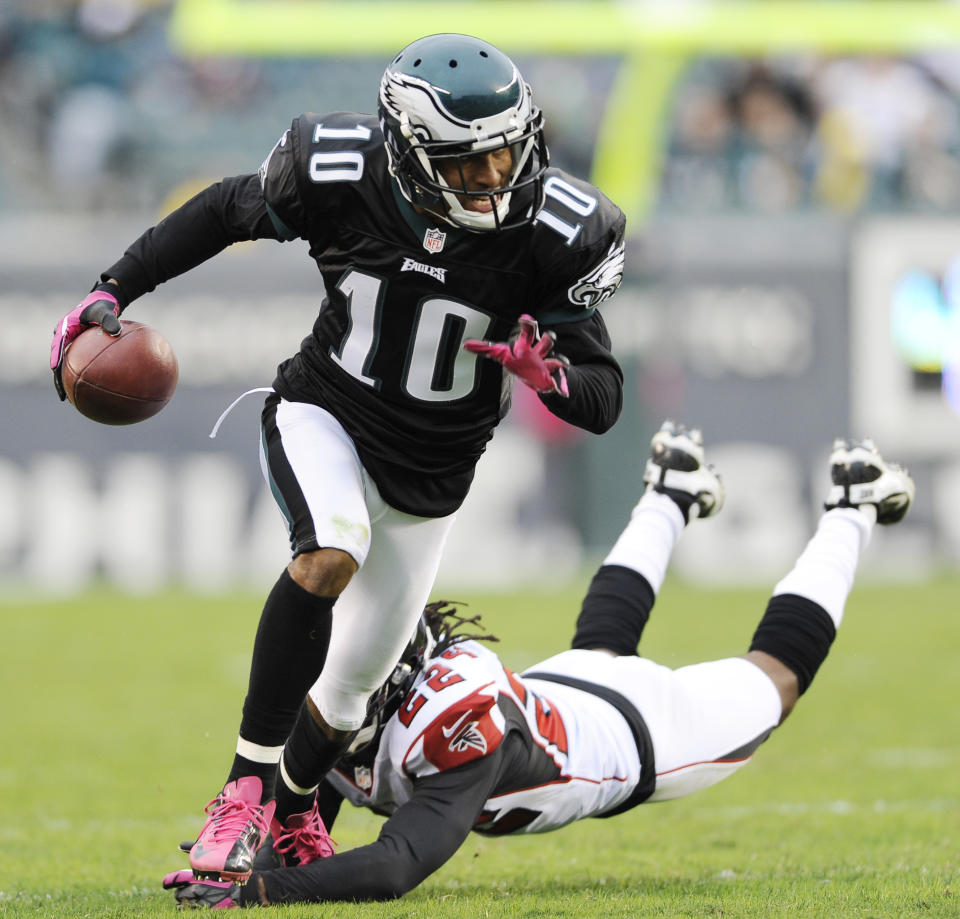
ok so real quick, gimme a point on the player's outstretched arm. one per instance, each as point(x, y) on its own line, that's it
point(230, 211)
point(224, 213)
point(571, 368)
point(594, 377)
point(418, 838)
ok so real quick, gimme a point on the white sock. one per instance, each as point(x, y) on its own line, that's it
point(293, 786)
point(648, 540)
point(825, 570)
point(257, 753)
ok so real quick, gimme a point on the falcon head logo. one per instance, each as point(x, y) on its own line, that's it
point(465, 736)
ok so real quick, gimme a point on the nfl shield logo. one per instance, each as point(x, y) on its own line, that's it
point(433, 240)
point(363, 778)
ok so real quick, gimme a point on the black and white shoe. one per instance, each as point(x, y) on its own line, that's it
point(860, 475)
point(676, 468)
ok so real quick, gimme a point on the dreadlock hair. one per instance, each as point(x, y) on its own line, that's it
point(447, 624)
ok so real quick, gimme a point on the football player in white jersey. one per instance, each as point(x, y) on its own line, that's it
point(455, 741)
point(452, 259)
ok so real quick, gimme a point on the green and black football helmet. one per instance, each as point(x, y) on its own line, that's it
point(448, 97)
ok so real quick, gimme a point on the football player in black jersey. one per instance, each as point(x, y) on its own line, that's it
point(454, 259)
point(456, 742)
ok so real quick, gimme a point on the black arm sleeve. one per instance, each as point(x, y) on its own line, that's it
point(595, 378)
point(226, 212)
point(419, 837)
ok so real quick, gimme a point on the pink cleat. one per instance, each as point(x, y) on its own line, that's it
point(303, 839)
point(229, 840)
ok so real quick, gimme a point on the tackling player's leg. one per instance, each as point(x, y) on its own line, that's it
point(680, 485)
point(719, 712)
point(800, 623)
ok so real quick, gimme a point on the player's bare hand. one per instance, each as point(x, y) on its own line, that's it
point(526, 357)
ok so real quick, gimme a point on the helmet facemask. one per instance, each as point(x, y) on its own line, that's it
point(426, 161)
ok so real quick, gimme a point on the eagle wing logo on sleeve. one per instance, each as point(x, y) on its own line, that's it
point(601, 283)
point(264, 166)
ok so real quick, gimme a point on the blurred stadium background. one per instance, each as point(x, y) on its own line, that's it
point(791, 174)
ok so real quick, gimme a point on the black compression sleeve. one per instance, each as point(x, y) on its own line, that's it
point(614, 611)
point(594, 377)
point(419, 837)
point(227, 212)
point(798, 633)
point(328, 803)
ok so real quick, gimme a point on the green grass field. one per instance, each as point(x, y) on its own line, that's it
point(119, 717)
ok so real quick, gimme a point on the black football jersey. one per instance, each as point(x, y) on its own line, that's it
point(403, 292)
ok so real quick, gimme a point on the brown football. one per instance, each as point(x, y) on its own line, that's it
point(120, 380)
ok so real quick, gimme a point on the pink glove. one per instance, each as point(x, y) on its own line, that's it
point(526, 357)
point(98, 308)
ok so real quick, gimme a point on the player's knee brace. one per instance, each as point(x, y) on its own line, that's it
point(798, 633)
point(614, 611)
